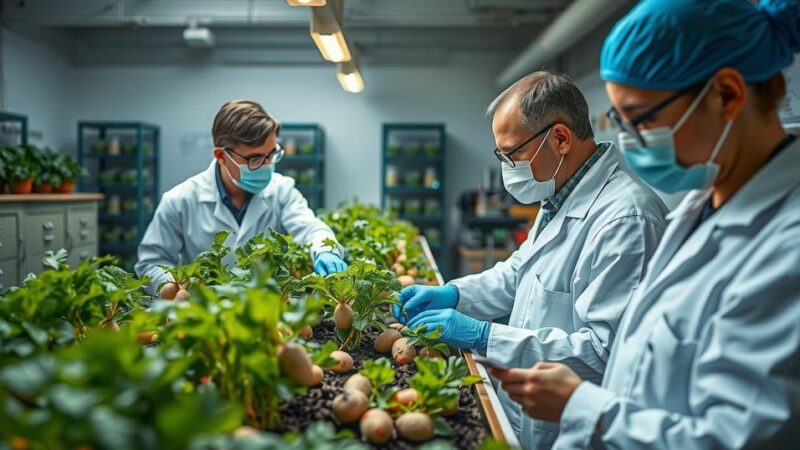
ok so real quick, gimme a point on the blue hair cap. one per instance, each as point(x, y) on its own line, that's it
point(673, 44)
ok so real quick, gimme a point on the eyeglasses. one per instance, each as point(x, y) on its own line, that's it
point(632, 126)
point(505, 157)
point(256, 161)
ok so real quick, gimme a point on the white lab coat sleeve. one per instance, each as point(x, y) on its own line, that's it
point(743, 373)
point(162, 243)
point(490, 294)
point(608, 271)
point(304, 226)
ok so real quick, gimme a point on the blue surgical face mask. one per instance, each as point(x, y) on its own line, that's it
point(657, 164)
point(252, 181)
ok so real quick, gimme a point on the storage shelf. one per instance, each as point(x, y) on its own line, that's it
point(305, 134)
point(397, 139)
point(121, 158)
point(411, 190)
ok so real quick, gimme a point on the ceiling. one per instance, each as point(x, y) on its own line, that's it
point(271, 32)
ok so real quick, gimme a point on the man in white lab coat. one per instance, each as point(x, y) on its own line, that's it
point(239, 192)
point(569, 283)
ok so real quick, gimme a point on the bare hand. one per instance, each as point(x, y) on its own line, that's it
point(542, 391)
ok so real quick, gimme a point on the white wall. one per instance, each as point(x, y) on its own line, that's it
point(38, 81)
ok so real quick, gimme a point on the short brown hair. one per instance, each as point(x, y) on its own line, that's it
point(243, 122)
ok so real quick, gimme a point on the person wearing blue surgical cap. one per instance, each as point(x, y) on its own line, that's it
point(708, 352)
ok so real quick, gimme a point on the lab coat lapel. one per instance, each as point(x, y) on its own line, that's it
point(208, 193)
point(578, 203)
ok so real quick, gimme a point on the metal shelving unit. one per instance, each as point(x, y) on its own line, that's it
point(17, 120)
point(305, 160)
point(122, 160)
point(412, 172)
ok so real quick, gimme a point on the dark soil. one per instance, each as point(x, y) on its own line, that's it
point(468, 426)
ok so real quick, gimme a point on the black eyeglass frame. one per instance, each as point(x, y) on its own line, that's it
point(256, 161)
point(505, 157)
point(632, 126)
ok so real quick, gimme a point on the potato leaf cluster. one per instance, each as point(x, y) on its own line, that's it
point(108, 392)
point(60, 305)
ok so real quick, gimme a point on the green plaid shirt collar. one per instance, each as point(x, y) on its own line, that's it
point(552, 205)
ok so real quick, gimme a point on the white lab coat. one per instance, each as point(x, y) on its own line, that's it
point(708, 353)
point(566, 289)
point(191, 213)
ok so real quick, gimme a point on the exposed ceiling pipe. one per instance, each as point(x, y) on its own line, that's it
point(581, 17)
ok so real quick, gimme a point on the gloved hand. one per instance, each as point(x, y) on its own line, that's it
point(328, 263)
point(415, 299)
point(458, 329)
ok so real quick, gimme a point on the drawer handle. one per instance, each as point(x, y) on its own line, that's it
point(48, 237)
point(84, 234)
point(84, 254)
point(83, 222)
point(47, 226)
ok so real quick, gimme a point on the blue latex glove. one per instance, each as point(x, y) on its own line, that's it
point(415, 299)
point(328, 263)
point(458, 329)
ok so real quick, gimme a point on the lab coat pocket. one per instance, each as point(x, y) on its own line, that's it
point(548, 308)
point(666, 368)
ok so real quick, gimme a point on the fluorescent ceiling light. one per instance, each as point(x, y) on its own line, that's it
point(349, 76)
point(306, 2)
point(326, 31)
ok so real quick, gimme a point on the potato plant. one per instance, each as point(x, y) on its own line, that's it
point(207, 269)
point(356, 295)
point(109, 393)
point(428, 340)
point(288, 260)
point(60, 305)
point(244, 336)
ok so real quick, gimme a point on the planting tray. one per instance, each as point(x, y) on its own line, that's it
point(493, 416)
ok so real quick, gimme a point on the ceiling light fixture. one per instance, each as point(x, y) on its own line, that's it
point(306, 2)
point(326, 31)
point(349, 75)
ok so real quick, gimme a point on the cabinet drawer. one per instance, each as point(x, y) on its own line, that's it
point(80, 254)
point(81, 226)
point(43, 230)
point(8, 236)
point(9, 275)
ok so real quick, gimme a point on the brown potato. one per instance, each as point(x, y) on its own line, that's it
point(316, 375)
point(295, 363)
point(182, 296)
point(398, 269)
point(345, 362)
point(245, 432)
point(406, 281)
point(413, 272)
point(306, 332)
point(343, 316)
point(432, 353)
point(415, 426)
point(349, 406)
point(168, 291)
point(385, 340)
point(404, 397)
point(377, 427)
point(359, 383)
point(397, 326)
point(403, 353)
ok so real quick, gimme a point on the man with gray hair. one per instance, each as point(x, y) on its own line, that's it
point(567, 286)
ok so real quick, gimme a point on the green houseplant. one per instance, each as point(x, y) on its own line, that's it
point(68, 172)
point(20, 170)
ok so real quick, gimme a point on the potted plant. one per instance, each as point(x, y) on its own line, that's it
point(48, 174)
point(68, 174)
point(3, 169)
point(21, 171)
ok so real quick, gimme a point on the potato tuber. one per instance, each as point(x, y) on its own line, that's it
point(345, 361)
point(359, 383)
point(403, 353)
point(349, 406)
point(415, 426)
point(377, 427)
point(385, 340)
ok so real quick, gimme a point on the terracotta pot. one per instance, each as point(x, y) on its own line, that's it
point(22, 187)
point(67, 187)
point(44, 188)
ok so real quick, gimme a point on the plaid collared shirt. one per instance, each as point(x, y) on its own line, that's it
point(552, 205)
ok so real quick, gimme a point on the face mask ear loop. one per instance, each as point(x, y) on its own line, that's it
point(693, 106)
point(721, 141)
point(540, 146)
point(558, 168)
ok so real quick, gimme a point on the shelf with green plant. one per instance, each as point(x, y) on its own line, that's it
point(26, 169)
